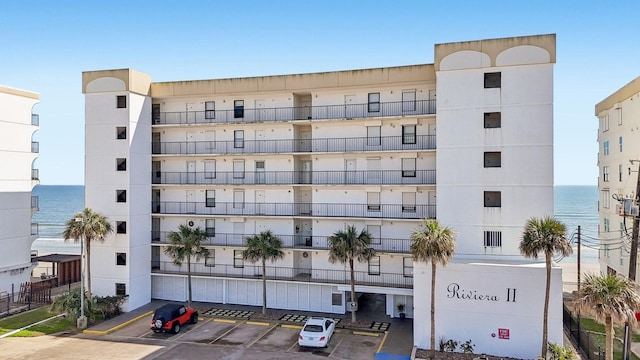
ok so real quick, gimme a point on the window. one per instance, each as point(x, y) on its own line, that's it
point(492, 199)
point(493, 239)
point(210, 198)
point(121, 289)
point(121, 132)
point(605, 148)
point(121, 102)
point(238, 139)
point(409, 167)
point(604, 123)
point(607, 225)
point(260, 175)
point(121, 164)
point(121, 227)
point(606, 250)
point(375, 231)
point(238, 109)
point(605, 173)
point(210, 169)
point(155, 113)
point(238, 169)
point(210, 260)
point(619, 172)
point(121, 196)
point(336, 299)
point(492, 80)
point(210, 138)
point(373, 136)
point(121, 258)
point(622, 256)
point(210, 227)
point(492, 159)
point(622, 229)
point(374, 265)
point(373, 201)
point(408, 134)
point(238, 199)
point(606, 199)
point(620, 142)
point(209, 109)
point(409, 100)
point(492, 120)
point(619, 116)
point(408, 202)
point(238, 260)
point(374, 102)
point(407, 266)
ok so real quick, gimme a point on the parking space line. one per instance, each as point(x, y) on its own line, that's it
point(228, 331)
point(261, 335)
point(386, 333)
point(336, 348)
point(117, 327)
point(365, 333)
point(292, 346)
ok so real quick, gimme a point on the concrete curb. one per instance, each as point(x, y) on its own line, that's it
point(117, 327)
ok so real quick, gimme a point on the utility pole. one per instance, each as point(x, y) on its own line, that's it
point(633, 258)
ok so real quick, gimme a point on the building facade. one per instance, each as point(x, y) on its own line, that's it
point(466, 140)
point(618, 160)
point(18, 153)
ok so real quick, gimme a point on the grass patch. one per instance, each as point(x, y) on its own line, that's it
point(598, 336)
point(33, 316)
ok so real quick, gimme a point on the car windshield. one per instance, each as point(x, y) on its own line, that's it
point(313, 328)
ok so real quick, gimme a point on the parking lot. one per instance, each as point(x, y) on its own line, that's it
point(259, 337)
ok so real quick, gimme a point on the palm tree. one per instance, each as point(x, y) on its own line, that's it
point(610, 299)
point(548, 236)
point(87, 226)
point(263, 247)
point(184, 244)
point(435, 244)
point(345, 246)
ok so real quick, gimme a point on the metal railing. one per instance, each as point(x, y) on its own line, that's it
point(35, 229)
point(35, 147)
point(246, 271)
point(35, 119)
point(386, 245)
point(322, 112)
point(276, 146)
point(581, 337)
point(35, 202)
point(386, 211)
point(35, 174)
point(361, 177)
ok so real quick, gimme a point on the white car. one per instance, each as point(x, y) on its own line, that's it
point(316, 332)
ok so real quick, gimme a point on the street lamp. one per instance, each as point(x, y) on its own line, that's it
point(82, 320)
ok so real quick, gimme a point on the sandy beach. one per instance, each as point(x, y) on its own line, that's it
point(570, 273)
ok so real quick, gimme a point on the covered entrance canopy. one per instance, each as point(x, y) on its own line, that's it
point(65, 268)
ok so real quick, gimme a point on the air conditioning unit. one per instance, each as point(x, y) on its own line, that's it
point(628, 208)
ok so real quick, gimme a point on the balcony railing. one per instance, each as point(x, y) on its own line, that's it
point(276, 146)
point(387, 245)
point(35, 174)
point(323, 112)
point(325, 276)
point(35, 202)
point(364, 177)
point(387, 211)
point(35, 147)
point(35, 230)
point(35, 119)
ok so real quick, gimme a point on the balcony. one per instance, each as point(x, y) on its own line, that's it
point(324, 276)
point(35, 147)
point(278, 146)
point(385, 211)
point(35, 119)
point(385, 245)
point(363, 177)
point(35, 230)
point(35, 203)
point(324, 112)
point(35, 175)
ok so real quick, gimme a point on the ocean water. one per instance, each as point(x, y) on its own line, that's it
point(574, 205)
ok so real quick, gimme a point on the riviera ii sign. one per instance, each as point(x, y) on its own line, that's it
point(454, 291)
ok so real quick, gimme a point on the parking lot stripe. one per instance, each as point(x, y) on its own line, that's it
point(228, 331)
point(386, 333)
point(261, 335)
point(225, 321)
point(117, 327)
point(257, 323)
point(287, 326)
point(336, 348)
point(365, 333)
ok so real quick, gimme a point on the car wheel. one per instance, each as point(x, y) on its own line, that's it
point(194, 318)
point(176, 327)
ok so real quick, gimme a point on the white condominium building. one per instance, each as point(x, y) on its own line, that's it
point(618, 163)
point(467, 140)
point(18, 152)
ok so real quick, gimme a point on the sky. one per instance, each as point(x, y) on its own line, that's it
point(46, 45)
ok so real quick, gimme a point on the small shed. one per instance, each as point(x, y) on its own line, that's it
point(66, 268)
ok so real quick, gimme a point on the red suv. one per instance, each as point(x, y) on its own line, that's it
point(171, 317)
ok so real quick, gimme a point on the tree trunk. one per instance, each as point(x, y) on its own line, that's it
point(608, 329)
point(432, 351)
point(545, 314)
point(189, 278)
point(87, 260)
point(264, 286)
point(353, 291)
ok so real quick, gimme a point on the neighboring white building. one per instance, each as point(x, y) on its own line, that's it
point(619, 145)
point(18, 152)
point(304, 155)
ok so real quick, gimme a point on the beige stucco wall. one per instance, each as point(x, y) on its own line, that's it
point(135, 81)
point(625, 92)
point(18, 92)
